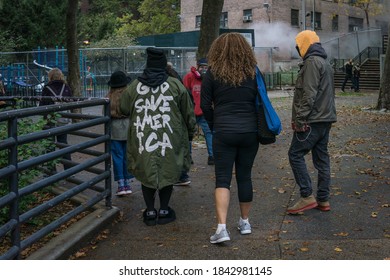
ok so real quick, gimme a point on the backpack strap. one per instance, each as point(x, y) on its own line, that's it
point(61, 92)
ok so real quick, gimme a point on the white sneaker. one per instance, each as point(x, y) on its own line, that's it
point(244, 227)
point(220, 237)
point(128, 190)
point(121, 191)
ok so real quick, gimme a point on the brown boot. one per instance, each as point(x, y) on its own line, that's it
point(304, 203)
point(323, 206)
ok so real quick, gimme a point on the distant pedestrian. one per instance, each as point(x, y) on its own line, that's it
point(162, 121)
point(229, 91)
point(119, 127)
point(184, 179)
point(2, 88)
point(193, 82)
point(313, 113)
point(57, 88)
point(348, 75)
point(2, 91)
point(356, 77)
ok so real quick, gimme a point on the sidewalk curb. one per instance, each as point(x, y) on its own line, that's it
point(76, 236)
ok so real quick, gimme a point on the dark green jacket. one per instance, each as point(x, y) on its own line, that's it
point(314, 90)
point(162, 121)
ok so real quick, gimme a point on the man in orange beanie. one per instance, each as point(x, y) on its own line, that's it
point(313, 113)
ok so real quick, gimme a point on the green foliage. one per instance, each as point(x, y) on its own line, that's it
point(34, 23)
point(96, 27)
point(26, 24)
point(25, 152)
point(156, 17)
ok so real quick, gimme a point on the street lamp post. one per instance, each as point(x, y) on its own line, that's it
point(303, 14)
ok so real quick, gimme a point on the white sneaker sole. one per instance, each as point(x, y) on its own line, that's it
point(243, 232)
point(182, 184)
point(223, 239)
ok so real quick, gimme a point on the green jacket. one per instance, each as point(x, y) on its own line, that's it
point(314, 98)
point(162, 121)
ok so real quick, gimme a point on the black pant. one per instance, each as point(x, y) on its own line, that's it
point(348, 77)
point(150, 194)
point(238, 149)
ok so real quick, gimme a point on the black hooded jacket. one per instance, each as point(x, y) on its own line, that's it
point(153, 77)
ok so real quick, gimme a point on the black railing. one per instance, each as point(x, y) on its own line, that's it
point(92, 149)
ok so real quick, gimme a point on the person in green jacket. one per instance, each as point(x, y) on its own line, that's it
point(313, 112)
point(162, 121)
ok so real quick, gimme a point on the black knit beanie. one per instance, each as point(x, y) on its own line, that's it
point(156, 58)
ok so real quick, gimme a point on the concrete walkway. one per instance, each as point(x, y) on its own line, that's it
point(357, 227)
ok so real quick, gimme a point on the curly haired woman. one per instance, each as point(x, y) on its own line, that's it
point(228, 95)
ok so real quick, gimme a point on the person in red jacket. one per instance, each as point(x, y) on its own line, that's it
point(193, 82)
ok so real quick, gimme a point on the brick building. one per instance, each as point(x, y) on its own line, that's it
point(343, 28)
point(329, 18)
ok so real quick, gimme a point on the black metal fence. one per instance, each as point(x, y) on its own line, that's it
point(90, 152)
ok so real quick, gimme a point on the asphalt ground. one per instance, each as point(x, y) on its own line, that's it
point(356, 228)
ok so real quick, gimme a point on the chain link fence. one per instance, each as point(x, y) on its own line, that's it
point(23, 72)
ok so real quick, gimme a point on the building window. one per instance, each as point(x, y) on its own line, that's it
point(223, 22)
point(355, 24)
point(317, 20)
point(197, 21)
point(294, 18)
point(335, 23)
point(247, 16)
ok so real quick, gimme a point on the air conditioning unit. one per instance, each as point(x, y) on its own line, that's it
point(197, 24)
point(356, 28)
point(247, 18)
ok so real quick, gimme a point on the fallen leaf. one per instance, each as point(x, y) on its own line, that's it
point(337, 249)
point(374, 214)
point(341, 234)
point(385, 205)
point(80, 254)
point(281, 190)
point(288, 221)
point(304, 249)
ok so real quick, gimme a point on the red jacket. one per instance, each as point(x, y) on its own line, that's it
point(193, 81)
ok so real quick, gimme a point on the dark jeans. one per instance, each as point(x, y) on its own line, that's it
point(63, 138)
point(239, 150)
point(119, 161)
point(208, 136)
point(346, 78)
point(357, 81)
point(315, 140)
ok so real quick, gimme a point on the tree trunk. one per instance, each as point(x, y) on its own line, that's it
point(73, 77)
point(384, 91)
point(209, 27)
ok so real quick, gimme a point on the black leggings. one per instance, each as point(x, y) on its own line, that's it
point(150, 194)
point(238, 149)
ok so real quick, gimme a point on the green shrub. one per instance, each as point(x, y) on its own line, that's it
point(26, 151)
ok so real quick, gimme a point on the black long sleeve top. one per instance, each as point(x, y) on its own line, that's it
point(229, 109)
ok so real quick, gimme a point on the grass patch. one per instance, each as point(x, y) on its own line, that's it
point(349, 93)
